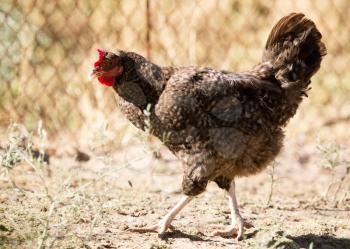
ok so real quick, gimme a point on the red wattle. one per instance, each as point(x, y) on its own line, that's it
point(107, 81)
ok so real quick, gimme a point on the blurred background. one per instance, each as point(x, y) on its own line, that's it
point(48, 47)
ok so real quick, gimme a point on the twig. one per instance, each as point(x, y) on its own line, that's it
point(272, 182)
point(44, 234)
point(342, 179)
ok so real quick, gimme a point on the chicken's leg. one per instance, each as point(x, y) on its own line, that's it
point(236, 228)
point(165, 223)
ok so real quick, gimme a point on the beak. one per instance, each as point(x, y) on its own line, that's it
point(92, 74)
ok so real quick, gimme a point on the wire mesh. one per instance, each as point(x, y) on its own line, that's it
point(47, 48)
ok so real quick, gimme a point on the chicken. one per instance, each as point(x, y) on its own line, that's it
point(221, 125)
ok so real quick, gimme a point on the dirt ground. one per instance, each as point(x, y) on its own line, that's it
point(92, 204)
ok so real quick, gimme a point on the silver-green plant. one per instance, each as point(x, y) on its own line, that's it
point(333, 156)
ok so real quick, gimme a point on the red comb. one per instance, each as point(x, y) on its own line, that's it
point(100, 51)
point(101, 56)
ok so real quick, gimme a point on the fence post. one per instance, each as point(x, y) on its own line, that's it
point(148, 29)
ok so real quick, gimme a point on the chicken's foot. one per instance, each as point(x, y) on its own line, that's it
point(237, 223)
point(165, 223)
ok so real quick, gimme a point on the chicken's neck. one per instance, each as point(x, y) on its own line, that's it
point(138, 89)
point(142, 83)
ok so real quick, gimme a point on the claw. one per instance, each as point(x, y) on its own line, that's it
point(233, 231)
point(165, 223)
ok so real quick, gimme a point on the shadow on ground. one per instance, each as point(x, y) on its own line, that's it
point(321, 241)
point(199, 238)
point(7, 242)
point(179, 234)
point(303, 241)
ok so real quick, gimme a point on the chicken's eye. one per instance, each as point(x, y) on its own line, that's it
point(107, 62)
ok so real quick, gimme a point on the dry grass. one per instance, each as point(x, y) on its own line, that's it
point(72, 204)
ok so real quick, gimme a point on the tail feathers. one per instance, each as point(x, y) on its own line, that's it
point(294, 50)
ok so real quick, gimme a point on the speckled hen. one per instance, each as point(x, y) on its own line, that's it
point(220, 124)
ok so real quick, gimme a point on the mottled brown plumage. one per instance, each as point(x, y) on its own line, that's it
point(220, 124)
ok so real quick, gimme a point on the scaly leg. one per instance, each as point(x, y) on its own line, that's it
point(165, 223)
point(233, 231)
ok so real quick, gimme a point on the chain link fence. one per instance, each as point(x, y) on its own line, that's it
point(48, 47)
